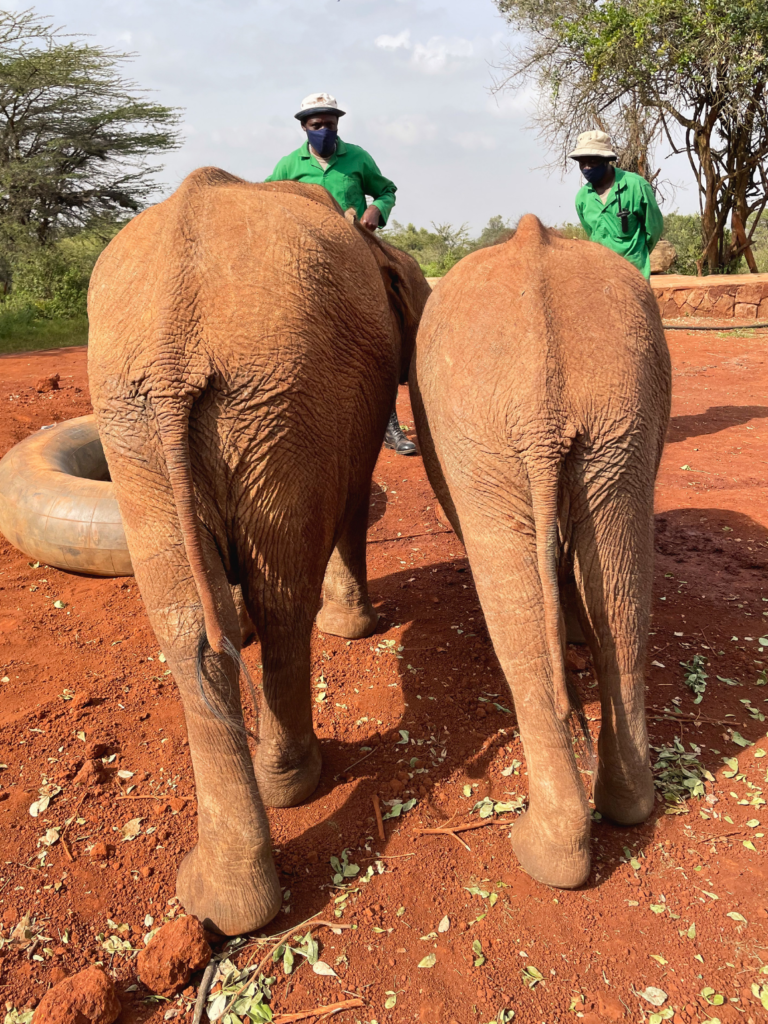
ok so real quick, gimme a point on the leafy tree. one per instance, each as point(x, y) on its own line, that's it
point(696, 70)
point(75, 136)
point(438, 250)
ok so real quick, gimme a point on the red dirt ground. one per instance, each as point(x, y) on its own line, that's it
point(89, 674)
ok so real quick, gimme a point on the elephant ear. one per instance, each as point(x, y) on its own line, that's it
point(399, 272)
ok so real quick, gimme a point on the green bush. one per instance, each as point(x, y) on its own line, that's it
point(683, 230)
point(438, 250)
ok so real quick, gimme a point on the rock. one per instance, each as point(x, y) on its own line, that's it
point(574, 661)
point(662, 257)
point(91, 774)
point(95, 750)
point(87, 997)
point(48, 384)
point(146, 871)
point(178, 949)
point(99, 851)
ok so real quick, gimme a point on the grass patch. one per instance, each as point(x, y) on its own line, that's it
point(20, 334)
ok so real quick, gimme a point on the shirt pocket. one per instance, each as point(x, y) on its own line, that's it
point(355, 196)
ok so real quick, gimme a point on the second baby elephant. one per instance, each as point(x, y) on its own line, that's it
point(541, 389)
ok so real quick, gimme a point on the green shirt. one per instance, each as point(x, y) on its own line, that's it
point(351, 175)
point(644, 225)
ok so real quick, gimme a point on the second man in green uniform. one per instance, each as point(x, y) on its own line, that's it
point(616, 208)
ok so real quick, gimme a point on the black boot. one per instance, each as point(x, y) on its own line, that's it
point(395, 439)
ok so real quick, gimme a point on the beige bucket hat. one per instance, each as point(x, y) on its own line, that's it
point(318, 103)
point(593, 144)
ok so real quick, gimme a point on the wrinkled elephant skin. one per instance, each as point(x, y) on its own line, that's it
point(245, 346)
point(541, 389)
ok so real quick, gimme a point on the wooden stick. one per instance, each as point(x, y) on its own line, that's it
point(202, 992)
point(66, 849)
point(318, 1011)
point(461, 842)
point(695, 721)
point(462, 828)
point(165, 799)
point(379, 819)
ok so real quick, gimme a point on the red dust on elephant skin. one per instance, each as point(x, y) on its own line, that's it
point(87, 997)
point(178, 949)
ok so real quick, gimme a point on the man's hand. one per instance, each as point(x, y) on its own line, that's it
point(371, 217)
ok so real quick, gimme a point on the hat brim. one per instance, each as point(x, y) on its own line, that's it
point(304, 114)
point(577, 154)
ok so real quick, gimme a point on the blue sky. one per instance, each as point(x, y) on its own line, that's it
point(413, 75)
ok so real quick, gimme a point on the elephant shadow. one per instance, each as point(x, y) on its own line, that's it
point(454, 698)
point(712, 421)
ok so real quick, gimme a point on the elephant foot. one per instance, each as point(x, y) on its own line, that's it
point(287, 780)
point(351, 623)
point(553, 861)
point(624, 803)
point(229, 897)
point(247, 628)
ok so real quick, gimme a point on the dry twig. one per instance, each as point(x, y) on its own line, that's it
point(379, 819)
point(465, 827)
point(318, 1011)
point(166, 799)
point(202, 992)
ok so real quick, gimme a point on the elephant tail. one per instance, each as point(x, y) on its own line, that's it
point(173, 428)
point(544, 483)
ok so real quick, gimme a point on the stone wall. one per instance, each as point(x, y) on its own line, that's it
point(722, 297)
point(726, 296)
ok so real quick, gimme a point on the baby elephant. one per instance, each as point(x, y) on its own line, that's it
point(541, 389)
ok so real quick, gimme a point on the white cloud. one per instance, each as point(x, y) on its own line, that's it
point(440, 54)
point(408, 130)
point(474, 140)
point(399, 42)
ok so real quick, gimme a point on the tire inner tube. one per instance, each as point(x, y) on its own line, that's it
point(57, 502)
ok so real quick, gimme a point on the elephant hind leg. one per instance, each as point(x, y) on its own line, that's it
point(551, 840)
point(347, 610)
point(614, 555)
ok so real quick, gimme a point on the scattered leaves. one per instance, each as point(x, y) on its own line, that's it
point(695, 677)
point(342, 869)
point(532, 976)
point(131, 829)
point(252, 1003)
point(399, 808)
point(47, 793)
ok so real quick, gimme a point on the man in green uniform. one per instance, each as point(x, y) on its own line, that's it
point(350, 174)
point(616, 208)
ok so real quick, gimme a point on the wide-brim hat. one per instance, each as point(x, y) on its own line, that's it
point(318, 103)
point(593, 144)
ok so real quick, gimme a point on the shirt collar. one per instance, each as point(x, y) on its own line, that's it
point(612, 194)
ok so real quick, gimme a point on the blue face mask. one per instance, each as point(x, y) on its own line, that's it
point(323, 141)
point(595, 175)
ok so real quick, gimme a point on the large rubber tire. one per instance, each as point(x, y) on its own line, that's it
point(57, 503)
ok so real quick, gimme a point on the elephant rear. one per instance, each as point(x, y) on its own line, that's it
point(541, 394)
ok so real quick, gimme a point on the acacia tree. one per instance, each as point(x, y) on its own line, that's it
point(695, 71)
point(75, 136)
